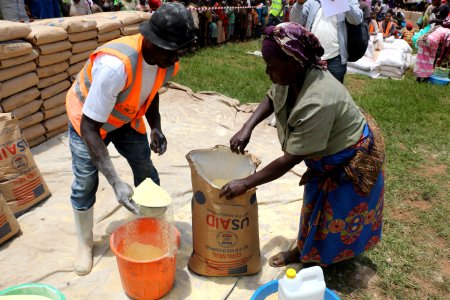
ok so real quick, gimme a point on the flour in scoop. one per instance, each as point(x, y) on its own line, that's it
point(139, 251)
point(150, 194)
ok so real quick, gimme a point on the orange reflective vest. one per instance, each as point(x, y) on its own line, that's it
point(371, 28)
point(127, 108)
point(388, 28)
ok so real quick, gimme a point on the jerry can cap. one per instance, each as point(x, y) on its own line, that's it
point(291, 273)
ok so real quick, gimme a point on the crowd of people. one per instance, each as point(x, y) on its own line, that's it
point(218, 22)
point(28, 10)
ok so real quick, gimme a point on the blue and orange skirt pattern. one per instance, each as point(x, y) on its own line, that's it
point(340, 219)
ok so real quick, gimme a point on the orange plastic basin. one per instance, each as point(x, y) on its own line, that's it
point(150, 279)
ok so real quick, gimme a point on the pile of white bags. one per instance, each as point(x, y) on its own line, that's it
point(391, 61)
point(394, 59)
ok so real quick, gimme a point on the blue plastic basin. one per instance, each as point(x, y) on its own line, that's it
point(272, 287)
point(35, 289)
point(439, 80)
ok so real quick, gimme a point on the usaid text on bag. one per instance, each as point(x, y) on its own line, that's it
point(21, 183)
point(224, 232)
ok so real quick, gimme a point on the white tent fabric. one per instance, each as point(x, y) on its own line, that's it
point(43, 252)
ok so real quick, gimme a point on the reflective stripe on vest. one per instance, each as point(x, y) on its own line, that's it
point(126, 109)
point(276, 9)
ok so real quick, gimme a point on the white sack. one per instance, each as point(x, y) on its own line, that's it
point(375, 73)
point(391, 57)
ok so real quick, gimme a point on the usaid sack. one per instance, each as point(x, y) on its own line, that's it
point(357, 40)
point(224, 232)
point(21, 183)
point(8, 223)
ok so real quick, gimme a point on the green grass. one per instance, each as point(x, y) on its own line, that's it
point(413, 260)
point(228, 70)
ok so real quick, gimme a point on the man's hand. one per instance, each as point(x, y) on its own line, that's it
point(123, 193)
point(158, 142)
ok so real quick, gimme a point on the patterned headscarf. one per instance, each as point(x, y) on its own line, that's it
point(295, 41)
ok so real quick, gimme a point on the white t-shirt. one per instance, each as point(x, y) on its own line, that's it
point(108, 79)
point(325, 29)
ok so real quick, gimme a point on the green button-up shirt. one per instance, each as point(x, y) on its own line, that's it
point(324, 119)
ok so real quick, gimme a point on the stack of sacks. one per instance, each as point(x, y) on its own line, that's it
point(18, 92)
point(366, 65)
point(107, 30)
point(130, 21)
point(394, 59)
point(53, 83)
point(82, 33)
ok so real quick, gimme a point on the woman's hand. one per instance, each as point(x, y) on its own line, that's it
point(240, 140)
point(234, 188)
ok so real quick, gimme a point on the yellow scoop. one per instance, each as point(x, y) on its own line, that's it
point(152, 200)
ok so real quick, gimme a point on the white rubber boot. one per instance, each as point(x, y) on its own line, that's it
point(84, 221)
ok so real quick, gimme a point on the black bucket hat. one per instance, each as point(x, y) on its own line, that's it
point(170, 27)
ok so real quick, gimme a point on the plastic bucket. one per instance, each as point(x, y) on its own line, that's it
point(272, 287)
point(149, 279)
point(34, 289)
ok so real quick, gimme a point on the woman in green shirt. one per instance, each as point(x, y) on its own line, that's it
point(319, 123)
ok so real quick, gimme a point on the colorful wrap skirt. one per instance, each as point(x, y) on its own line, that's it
point(343, 200)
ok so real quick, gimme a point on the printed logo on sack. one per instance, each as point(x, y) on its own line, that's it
point(199, 197)
point(20, 162)
point(253, 199)
point(12, 149)
point(226, 239)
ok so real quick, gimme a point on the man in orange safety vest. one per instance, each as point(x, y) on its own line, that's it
point(112, 95)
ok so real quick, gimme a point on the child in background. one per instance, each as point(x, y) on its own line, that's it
point(408, 33)
point(256, 30)
point(213, 31)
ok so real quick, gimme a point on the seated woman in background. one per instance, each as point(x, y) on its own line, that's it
point(408, 34)
point(387, 27)
point(318, 123)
